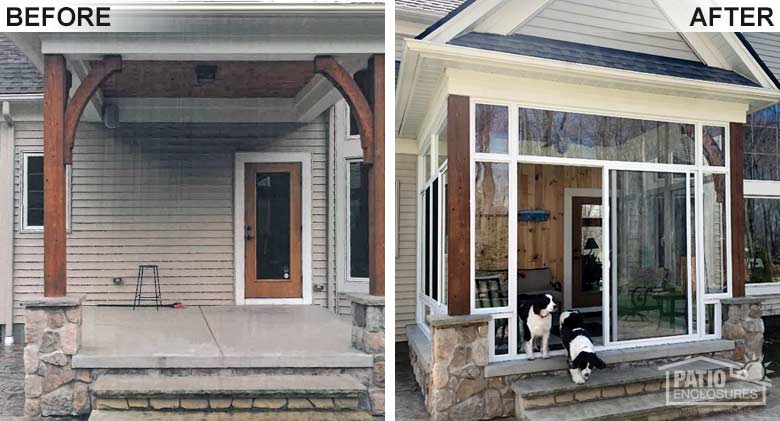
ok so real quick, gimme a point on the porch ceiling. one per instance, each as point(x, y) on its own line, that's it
point(234, 79)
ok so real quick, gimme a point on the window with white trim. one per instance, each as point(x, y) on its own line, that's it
point(665, 218)
point(432, 273)
point(762, 201)
point(31, 205)
point(357, 217)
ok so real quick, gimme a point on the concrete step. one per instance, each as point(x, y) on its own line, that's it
point(257, 393)
point(645, 406)
point(544, 391)
point(103, 415)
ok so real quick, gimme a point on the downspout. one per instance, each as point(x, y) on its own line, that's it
point(7, 222)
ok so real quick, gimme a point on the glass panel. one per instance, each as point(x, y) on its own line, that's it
point(692, 249)
point(762, 240)
point(34, 186)
point(358, 220)
point(501, 333)
point(492, 128)
point(714, 141)
point(435, 241)
point(354, 129)
point(491, 234)
point(709, 319)
point(762, 157)
point(714, 200)
point(585, 136)
point(445, 246)
point(649, 249)
point(427, 242)
point(273, 225)
point(442, 138)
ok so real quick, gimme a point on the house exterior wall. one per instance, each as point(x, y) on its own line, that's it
point(406, 253)
point(162, 193)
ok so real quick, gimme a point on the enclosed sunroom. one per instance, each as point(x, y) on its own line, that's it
point(602, 172)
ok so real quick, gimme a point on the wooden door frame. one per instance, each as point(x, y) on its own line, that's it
point(241, 159)
point(568, 195)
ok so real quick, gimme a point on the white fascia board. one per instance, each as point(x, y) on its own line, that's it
point(511, 15)
point(519, 64)
point(742, 52)
point(702, 46)
point(21, 97)
point(468, 18)
point(407, 75)
point(209, 47)
point(205, 110)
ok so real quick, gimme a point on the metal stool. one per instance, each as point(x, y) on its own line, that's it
point(139, 284)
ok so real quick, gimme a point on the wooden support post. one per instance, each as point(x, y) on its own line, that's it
point(376, 179)
point(55, 98)
point(458, 206)
point(736, 147)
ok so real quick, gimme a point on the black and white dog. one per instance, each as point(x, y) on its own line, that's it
point(579, 348)
point(536, 315)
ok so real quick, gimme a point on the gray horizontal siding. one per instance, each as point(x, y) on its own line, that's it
point(406, 260)
point(767, 45)
point(637, 25)
point(161, 193)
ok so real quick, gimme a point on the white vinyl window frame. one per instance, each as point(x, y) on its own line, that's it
point(428, 150)
point(24, 226)
point(513, 158)
point(761, 189)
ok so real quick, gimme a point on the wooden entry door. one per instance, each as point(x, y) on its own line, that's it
point(272, 231)
point(586, 238)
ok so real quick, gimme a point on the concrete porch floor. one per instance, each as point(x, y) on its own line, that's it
point(217, 337)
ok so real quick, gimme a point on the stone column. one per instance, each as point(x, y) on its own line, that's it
point(368, 335)
point(742, 323)
point(459, 355)
point(53, 335)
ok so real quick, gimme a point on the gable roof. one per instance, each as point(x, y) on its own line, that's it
point(528, 45)
point(17, 74)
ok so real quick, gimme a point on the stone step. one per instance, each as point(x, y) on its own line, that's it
point(228, 393)
point(645, 406)
point(107, 415)
point(544, 391)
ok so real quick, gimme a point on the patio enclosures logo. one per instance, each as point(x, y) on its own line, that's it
point(709, 381)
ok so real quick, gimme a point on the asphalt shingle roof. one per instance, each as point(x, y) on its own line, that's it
point(599, 56)
point(17, 74)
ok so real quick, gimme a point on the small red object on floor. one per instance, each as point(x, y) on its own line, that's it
point(178, 305)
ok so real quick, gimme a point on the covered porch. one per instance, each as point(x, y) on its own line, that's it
point(262, 337)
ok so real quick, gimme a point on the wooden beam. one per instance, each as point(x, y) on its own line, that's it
point(376, 178)
point(341, 79)
point(458, 206)
point(55, 97)
point(100, 71)
point(736, 147)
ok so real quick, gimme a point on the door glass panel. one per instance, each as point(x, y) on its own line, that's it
point(491, 230)
point(358, 220)
point(649, 254)
point(590, 240)
point(273, 225)
point(714, 199)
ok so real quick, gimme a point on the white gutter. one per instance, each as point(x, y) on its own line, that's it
point(7, 222)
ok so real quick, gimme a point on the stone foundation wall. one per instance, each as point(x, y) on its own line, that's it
point(742, 323)
point(368, 335)
point(53, 335)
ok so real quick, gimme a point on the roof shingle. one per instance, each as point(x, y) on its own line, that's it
point(599, 56)
point(17, 74)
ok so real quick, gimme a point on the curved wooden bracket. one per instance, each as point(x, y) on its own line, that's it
point(100, 72)
point(341, 80)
